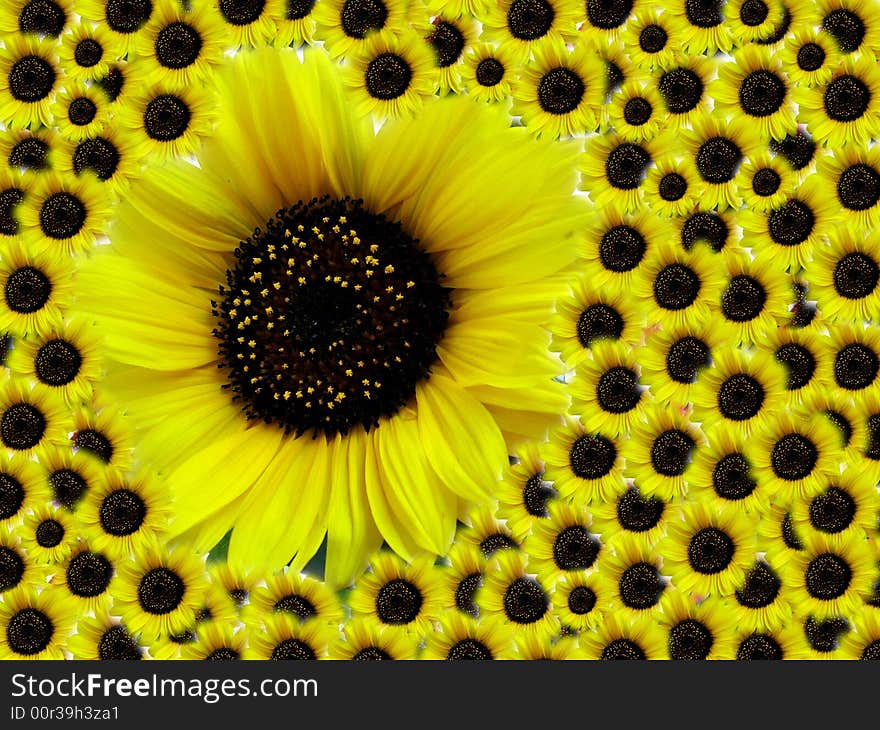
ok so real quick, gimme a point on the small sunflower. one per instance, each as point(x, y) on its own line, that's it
point(825, 637)
point(672, 188)
point(49, 534)
point(464, 637)
point(87, 51)
point(847, 505)
point(483, 529)
point(581, 601)
point(513, 594)
point(708, 549)
point(80, 111)
point(683, 83)
point(111, 157)
point(70, 476)
point(706, 28)
point(635, 111)
point(716, 229)
point(522, 24)
point(752, 20)
point(633, 514)
point(853, 362)
point(562, 544)
point(631, 577)
point(125, 19)
point(847, 418)
point(87, 578)
point(864, 641)
point(29, 151)
point(35, 625)
point(621, 637)
point(674, 359)
point(845, 276)
point(347, 26)
point(36, 17)
point(236, 583)
point(523, 492)
point(488, 72)
point(765, 183)
point(810, 58)
point(216, 641)
point(295, 22)
point(366, 639)
point(852, 176)
point(283, 637)
point(298, 594)
point(653, 38)
point(782, 641)
point(801, 353)
point(14, 187)
point(450, 38)
point(776, 528)
point(22, 487)
point(614, 170)
point(101, 430)
point(851, 24)
point(29, 66)
point(463, 578)
point(696, 631)
point(30, 417)
point(762, 600)
point(103, 637)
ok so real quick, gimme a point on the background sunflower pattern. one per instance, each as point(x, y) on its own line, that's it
point(712, 490)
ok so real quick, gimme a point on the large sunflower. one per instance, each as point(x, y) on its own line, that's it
point(327, 330)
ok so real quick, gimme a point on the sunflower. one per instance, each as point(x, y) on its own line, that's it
point(49, 534)
point(672, 187)
point(852, 176)
point(399, 595)
point(580, 601)
point(463, 578)
point(80, 111)
point(845, 110)
point(752, 20)
point(840, 409)
point(782, 641)
point(449, 37)
point(105, 638)
point(613, 171)
point(621, 637)
point(29, 66)
point(607, 393)
point(853, 361)
point(488, 72)
point(562, 544)
point(864, 641)
point(651, 37)
point(111, 157)
point(660, 451)
point(295, 593)
point(513, 594)
point(765, 183)
point(125, 19)
point(683, 81)
point(792, 453)
point(852, 25)
point(347, 25)
point(755, 89)
point(708, 548)
point(358, 420)
point(706, 28)
point(158, 591)
point(630, 577)
point(810, 57)
point(847, 505)
point(716, 229)
point(466, 638)
point(283, 637)
point(674, 359)
point(635, 111)
point(100, 429)
point(825, 637)
point(29, 151)
point(802, 354)
point(633, 514)
point(696, 631)
point(123, 514)
point(30, 417)
point(34, 625)
point(776, 528)
point(762, 600)
point(22, 488)
point(64, 359)
point(522, 24)
point(14, 187)
point(87, 51)
point(87, 577)
point(482, 528)
point(117, 85)
point(236, 583)
point(216, 641)
point(17, 568)
point(70, 476)
point(559, 91)
point(41, 17)
point(366, 639)
point(523, 492)
point(833, 575)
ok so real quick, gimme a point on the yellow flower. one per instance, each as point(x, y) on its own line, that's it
point(35, 625)
point(283, 637)
point(463, 637)
point(366, 639)
point(621, 637)
point(512, 594)
point(104, 637)
point(301, 595)
point(696, 631)
point(29, 68)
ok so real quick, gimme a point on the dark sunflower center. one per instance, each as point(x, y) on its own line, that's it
point(608, 14)
point(798, 149)
point(792, 223)
point(99, 155)
point(299, 9)
point(842, 424)
point(622, 649)
point(707, 226)
point(469, 649)
point(239, 596)
point(57, 362)
point(31, 79)
point(832, 511)
point(166, 118)
point(342, 325)
point(704, 13)
point(10, 199)
point(690, 640)
point(122, 512)
point(873, 449)
point(27, 290)
point(799, 363)
point(846, 28)
point(529, 20)
point(810, 57)
point(766, 182)
point(160, 591)
point(62, 215)
point(89, 574)
point(292, 649)
point(536, 494)
point(824, 636)
point(388, 76)
point(525, 601)
point(575, 548)
point(448, 42)
point(465, 591)
point(12, 496)
point(223, 654)
point(676, 287)
point(710, 551)
point(299, 606)
point(82, 111)
point(846, 98)
point(113, 83)
point(827, 577)
point(626, 165)
point(793, 457)
point(671, 452)
point(618, 390)
point(42, 16)
point(753, 12)
point(581, 600)
point(49, 533)
point(116, 644)
point(592, 457)
point(178, 45)
point(761, 587)
point(789, 537)
point(672, 187)
point(731, 477)
point(242, 12)
point(759, 646)
point(653, 39)
point(68, 487)
point(359, 17)
point(859, 187)
point(743, 299)
point(398, 602)
point(685, 357)
point(491, 544)
point(640, 586)
point(599, 321)
point(856, 366)
point(22, 426)
point(489, 72)
point(88, 53)
point(94, 442)
point(622, 248)
point(637, 111)
point(718, 160)
point(638, 513)
point(761, 93)
point(11, 568)
point(372, 654)
point(560, 90)
point(128, 16)
point(29, 631)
